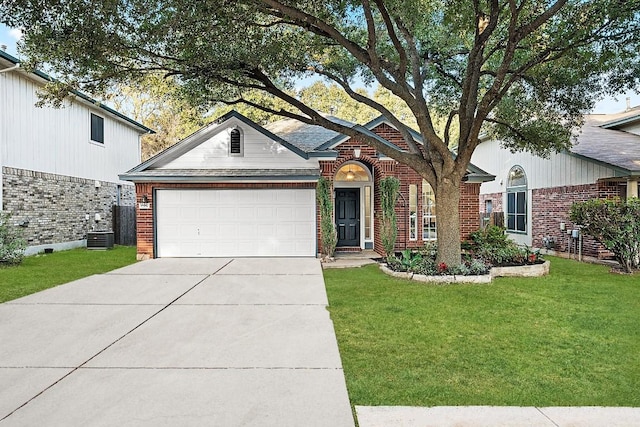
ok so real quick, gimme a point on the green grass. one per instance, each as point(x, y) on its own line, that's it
point(45, 271)
point(568, 339)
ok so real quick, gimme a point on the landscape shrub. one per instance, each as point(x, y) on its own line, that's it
point(389, 190)
point(12, 245)
point(615, 224)
point(423, 261)
point(494, 246)
point(328, 235)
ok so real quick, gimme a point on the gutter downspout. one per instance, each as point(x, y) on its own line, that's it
point(6, 70)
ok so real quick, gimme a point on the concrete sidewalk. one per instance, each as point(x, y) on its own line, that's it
point(496, 416)
point(176, 342)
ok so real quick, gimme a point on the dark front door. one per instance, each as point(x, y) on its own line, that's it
point(348, 216)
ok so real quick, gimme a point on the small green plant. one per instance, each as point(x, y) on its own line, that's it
point(12, 245)
point(494, 246)
point(389, 188)
point(329, 237)
point(615, 224)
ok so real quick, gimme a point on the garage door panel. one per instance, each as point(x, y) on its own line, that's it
point(252, 222)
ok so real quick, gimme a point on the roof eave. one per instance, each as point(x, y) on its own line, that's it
point(139, 178)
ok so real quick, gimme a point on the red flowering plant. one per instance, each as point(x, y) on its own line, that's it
point(442, 267)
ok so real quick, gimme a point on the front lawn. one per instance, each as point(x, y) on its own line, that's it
point(40, 272)
point(568, 339)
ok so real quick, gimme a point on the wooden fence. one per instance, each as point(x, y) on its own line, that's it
point(124, 225)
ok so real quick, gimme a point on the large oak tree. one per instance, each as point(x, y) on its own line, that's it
point(522, 71)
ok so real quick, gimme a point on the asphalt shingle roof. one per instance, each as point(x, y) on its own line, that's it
point(613, 146)
point(304, 136)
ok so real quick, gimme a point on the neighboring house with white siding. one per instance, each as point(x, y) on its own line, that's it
point(536, 194)
point(59, 166)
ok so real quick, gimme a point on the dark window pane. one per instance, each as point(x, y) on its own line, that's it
point(521, 223)
point(97, 129)
point(521, 204)
point(511, 222)
point(511, 202)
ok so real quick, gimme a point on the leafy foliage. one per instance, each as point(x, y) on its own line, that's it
point(424, 262)
point(494, 247)
point(389, 188)
point(615, 224)
point(12, 245)
point(155, 102)
point(524, 72)
point(329, 237)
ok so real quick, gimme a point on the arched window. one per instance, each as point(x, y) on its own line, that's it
point(352, 172)
point(517, 200)
point(236, 146)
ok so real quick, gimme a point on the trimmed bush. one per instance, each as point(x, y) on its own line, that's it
point(328, 235)
point(12, 245)
point(389, 190)
point(615, 224)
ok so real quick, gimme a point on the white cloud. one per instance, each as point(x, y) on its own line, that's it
point(16, 33)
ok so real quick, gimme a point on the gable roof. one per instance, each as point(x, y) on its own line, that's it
point(15, 62)
point(317, 140)
point(146, 171)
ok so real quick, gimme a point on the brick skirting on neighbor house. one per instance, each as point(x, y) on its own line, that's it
point(552, 206)
point(54, 208)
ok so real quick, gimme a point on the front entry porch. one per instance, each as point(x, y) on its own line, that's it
point(353, 201)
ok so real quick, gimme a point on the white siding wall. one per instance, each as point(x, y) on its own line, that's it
point(58, 140)
point(635, 129)
point(558, 170)
point(260, 152)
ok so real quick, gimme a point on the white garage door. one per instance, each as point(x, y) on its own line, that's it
point(235, 223)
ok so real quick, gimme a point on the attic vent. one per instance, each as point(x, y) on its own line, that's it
point(235, 148)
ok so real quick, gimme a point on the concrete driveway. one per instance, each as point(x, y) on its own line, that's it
point(176, 342)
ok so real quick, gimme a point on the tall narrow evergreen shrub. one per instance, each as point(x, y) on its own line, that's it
point(328, 235)
point(389, 190)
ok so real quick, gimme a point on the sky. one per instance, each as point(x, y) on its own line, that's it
point(10, 36)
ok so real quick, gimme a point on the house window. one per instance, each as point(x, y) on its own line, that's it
point(517, 200)
point(413, 212)
point(428, 212)
point(97, 129)
point(235, 143)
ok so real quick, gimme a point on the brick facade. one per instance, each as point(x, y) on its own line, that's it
point(552, 206)
point(469, 197)
point(54, 208)
point(368, 157)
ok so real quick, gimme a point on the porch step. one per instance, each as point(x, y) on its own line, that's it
point(349, 249)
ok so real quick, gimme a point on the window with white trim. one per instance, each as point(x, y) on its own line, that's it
point(413, 212)
point(429, 229)
point(236, 143)
point(517, 200)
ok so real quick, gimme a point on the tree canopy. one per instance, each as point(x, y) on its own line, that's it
point(522, 71)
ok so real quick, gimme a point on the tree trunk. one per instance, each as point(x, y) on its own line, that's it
point(448, 224)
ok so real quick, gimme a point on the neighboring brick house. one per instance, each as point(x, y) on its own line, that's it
point(59, 167)
point(235, 188)
point(535, 194)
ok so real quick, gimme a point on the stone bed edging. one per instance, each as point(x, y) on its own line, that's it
point(535, 270)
